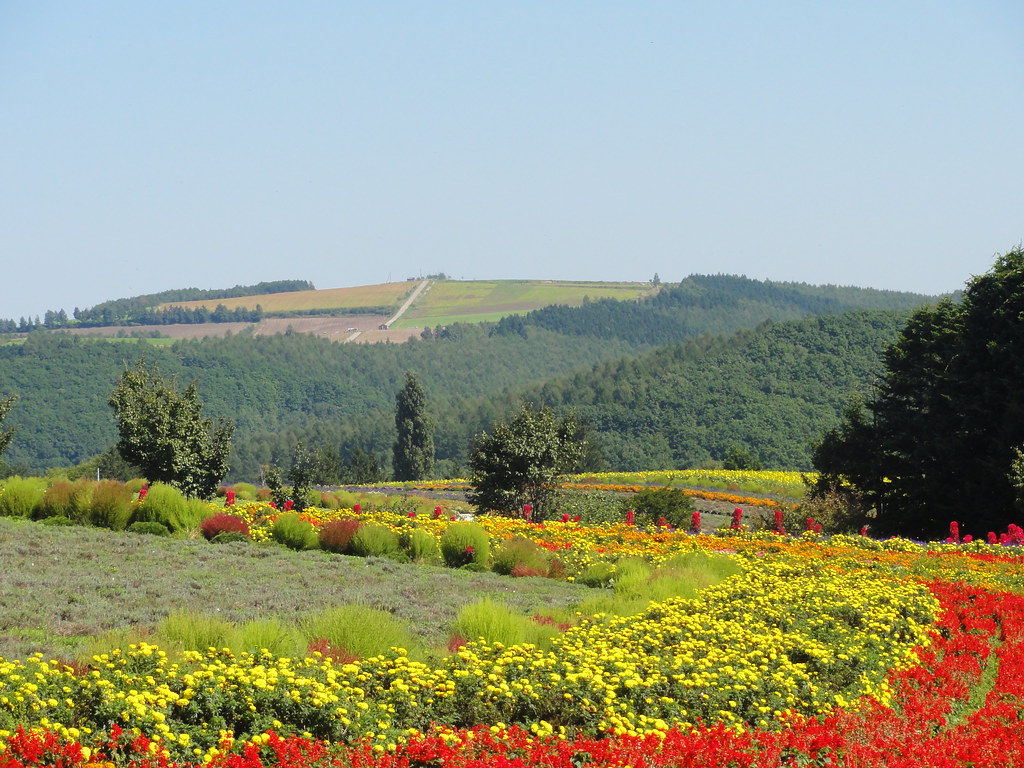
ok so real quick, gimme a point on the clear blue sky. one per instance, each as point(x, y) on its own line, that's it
point(147, 146)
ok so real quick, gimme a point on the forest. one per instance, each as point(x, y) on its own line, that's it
point(709, 365)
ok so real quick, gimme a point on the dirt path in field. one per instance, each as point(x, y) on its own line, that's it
point(408, 302)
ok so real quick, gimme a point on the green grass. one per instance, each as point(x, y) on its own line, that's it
point(62, 587)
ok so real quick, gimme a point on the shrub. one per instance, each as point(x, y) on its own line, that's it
point(163, 504)
point(375, 539)
point(329, 501)
point(630, 577)
point(346, 499)
point(520, 556)
point(612, 604)
point(136, 484)
point(226, 537)
point(223, 523)
point(337, 655)
point(494, 623)
point(336, 536)
point(196, 510)
point(21, 496)
point(196, 631)
point(591, 507)
point(836, 510)
point(687, 574)
point(111, 505)
point(154, 529)
point(542, 629)
point(59, 520)
point(244, 491)
point(597, 575)
point(271, 634)
point(121, 638)
point(652, 504)
point(57, 501)
point(423, 547)
point(294, 532)
point(463, 544)
point(358, 629)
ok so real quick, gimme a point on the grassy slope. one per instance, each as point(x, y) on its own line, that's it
point(65, 585)
point(475, 301)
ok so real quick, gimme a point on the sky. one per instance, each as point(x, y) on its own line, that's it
point(147, 146)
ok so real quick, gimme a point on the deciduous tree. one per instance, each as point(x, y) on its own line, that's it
point(518, 462)
point(163, 432)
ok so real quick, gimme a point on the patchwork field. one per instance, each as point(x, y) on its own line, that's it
point(441, 303)
point(450, 301)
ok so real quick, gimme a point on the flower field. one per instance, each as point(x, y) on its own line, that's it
point(841, 651)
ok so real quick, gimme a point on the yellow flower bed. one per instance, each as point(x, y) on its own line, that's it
point(785, 483)
point(792, 633)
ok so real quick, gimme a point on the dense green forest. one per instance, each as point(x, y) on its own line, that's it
point(659, 381)
point(274, 387)
point(142, 310)
point(704, 304)
point(770, 393)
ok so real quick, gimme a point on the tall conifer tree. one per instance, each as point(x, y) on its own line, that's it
point(414, 449)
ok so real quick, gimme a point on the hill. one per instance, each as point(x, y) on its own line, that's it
point(289, 387)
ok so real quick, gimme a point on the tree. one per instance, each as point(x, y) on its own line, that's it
point(939, 439)
point(363, 468)
point(6, 435)
point(414, 449)
point(163, 432)
point(740, 458)
point(519, 462)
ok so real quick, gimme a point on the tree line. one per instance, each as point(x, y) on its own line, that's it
point(143, 310)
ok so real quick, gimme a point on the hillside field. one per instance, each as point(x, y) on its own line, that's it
point(476, 301)
point(444, 302)
point(382, 295)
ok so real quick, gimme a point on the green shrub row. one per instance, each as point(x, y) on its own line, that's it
point(104, 504)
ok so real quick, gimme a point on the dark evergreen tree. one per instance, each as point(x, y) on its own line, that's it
point(939, 439)
point(363, 468)
point(413, 452)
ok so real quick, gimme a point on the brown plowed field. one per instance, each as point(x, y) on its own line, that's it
point(185, 331)
point(334, 328)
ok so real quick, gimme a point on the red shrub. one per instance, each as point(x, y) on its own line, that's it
point(336, 536)
point(223, 523)
point(338, 655)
